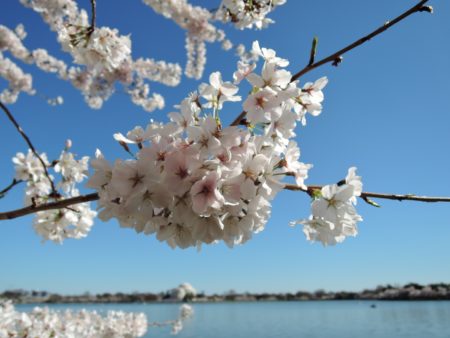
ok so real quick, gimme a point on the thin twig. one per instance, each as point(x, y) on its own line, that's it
point(367, 195)
point(312, 55)
point(333, 57)
point(94, 14)
point(336, 58)
point(162, 324)
point(54, 193)
point(9, 187)
point(48, 206)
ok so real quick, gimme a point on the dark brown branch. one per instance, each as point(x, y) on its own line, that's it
point(237, 120)
point(54, 193)
point(310, 190)
point(336, 58)
point(366, 195)
point(9, 187)
point(94, 14)
point(49, 206)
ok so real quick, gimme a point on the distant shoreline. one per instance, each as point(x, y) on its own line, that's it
point(408, 292)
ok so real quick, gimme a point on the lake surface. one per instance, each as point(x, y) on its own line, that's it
point(308, 319)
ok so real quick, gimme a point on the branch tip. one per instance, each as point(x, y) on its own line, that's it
point(428, 9)
point(337, 61)
point(313, 53)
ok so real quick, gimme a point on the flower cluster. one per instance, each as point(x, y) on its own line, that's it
point(103, 55)
point(11, 41)
point(334, 216)
point(196, 21)
point(18, 81)
point(194, 181)
point(247, 13)
point(43, 322)
point(186, 311)
point(56, 225)
point(199, 24)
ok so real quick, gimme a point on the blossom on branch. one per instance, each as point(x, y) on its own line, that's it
point(196, 182)
point(334, 216)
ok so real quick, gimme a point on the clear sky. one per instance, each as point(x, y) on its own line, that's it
point(386, 111)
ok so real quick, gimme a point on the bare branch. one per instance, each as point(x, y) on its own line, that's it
point(48, 206)
point(9, 187)
point(310, 191)
point(336, 58)
point(94, 14)
point(54, 193)
point(367, 195)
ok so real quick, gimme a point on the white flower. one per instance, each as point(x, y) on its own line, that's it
point(57, 225)
point(135, 136)
point(334, 203)
point(205, 194)
point(244, 69)
point(204, 136)
point(269, 55)
point(29, 167)
point(73, 171)
point(292, 165)
point(133, 177)
point(320, 230)
point(270, 77)
point(186, 311)
point(355, 181)
point(309, 99)
point(180, 167)
point(102, 172)
point(334, 216)
point(260, 104)
point(105, 49)
point(218, 92)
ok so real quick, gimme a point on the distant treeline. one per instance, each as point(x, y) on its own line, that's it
point(412, 291)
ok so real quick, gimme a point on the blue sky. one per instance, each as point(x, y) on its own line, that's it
point(386, 111)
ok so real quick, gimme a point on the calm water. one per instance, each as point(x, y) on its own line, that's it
point(339, 319)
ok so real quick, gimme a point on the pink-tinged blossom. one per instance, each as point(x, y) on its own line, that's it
point(180, 167)
point(260, 105)
point(196, 182)
point(205, 194)
point(204, 136)
point(132, 177)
